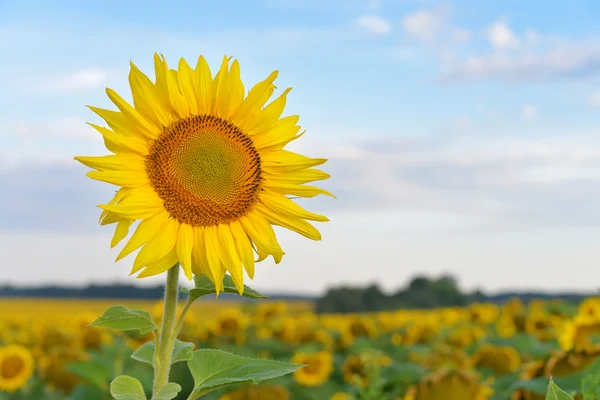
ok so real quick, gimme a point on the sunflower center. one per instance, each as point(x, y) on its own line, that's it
point(206, 171)
point(11, 366)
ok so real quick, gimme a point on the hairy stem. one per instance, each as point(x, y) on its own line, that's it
point(164, 349)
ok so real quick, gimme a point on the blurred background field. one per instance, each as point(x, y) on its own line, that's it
point(472, 351)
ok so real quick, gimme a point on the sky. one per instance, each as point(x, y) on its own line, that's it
point(463, 137)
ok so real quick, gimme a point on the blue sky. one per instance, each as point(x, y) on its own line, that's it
point(462, 136)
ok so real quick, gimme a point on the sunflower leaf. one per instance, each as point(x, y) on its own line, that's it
point(168, 392)
point(213, 369)
point(127, 388)
point(123, 319)
point(556, 393)
point(182, 351)
point(204, 287)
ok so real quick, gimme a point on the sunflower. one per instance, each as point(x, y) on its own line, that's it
point(318, 368)
point(501, 359)
point(202, 166)
point(580, 333)
point(449, 384)
point(16, 367)
point(231, 322)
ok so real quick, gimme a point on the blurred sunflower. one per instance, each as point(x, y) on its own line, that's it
point(16, 367)
point(202, 165)
point(542, 325)
point(567, 363)
point(354, 371)
point(590, 307)
point(358, 327)
point(579, 333)
point(270, 310)
point(318, 368)
point(500, 359)
point(449, 384)
point(231, 322)
point(258, 392)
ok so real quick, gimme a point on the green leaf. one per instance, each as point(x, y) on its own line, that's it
point(556, 393)
point(127, 388)
point(213, 369)
point(124, 319)
point(205, 287)
point(168, 392)
point(182, 351)
point(93, 371)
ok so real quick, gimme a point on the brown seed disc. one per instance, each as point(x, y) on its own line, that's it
point(206, 170)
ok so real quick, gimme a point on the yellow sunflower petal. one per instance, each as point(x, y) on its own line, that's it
point(289, 222)
point(158, 247)
point(144, 127)
point(219, 89)
point(146, 231)
point(204, 86)
point(256, 99)
point(121, 231)
point(261, 233)
point(268, 116)
point(294, 190)
point(176, 97)
point(140, 204)
point(118, 143)
point(187, 82)
point(147, 99)
point(114, 162)
point(200, 264)
point(120, 178)
point(244, 247)
point(214, 263)
point(301, 176)
point(119, 194)
point(282, 205)
point(284, 161)
point(229, 256)
point(115, 120)
point(185, 243)
point(161, 265)
point(277, 135)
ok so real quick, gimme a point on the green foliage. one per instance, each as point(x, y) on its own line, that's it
point(168, 392)
point(590, 386)
point(122, 318)
point(127, 388)
point(203, 287)
point(556, 393)
point(213, 369)
point(182, 351)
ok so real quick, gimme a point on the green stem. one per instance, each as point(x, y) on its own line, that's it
point(189, 303)
point(162, 365)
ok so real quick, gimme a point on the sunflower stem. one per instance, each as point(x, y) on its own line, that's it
point(167, 336)
point(189, 303)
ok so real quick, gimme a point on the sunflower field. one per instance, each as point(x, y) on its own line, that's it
point(48, 350)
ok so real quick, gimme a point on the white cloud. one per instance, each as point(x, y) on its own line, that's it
point(374, 24)
point(462, 35)
point(80, 80)
point(424, 24)
point(594, 99)
point(556, 59)
point(501, 36)
point(529, 112)
point(532, 37)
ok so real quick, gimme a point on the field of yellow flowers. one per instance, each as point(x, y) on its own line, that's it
point(480, 352)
